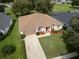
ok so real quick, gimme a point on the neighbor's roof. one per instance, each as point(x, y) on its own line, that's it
point(4, 21)
point(29, 23)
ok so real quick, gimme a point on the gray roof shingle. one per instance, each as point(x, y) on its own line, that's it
point(4, 21)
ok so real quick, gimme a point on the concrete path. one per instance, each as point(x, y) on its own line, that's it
point(67, 56)
point(47, 34)
point(33, 48)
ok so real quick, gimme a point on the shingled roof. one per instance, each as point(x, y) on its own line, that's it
point(4, 21)
point(29, 23)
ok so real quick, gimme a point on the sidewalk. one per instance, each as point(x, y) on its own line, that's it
point(67, 56)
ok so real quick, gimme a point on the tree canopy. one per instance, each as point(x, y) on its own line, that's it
point(1, 8)
point(6, 1)
point(75, 2)
point(23, 7)
point(74, 22)
point(72, 36)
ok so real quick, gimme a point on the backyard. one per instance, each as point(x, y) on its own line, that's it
point(13, 38)
point(53, 45)
point(63, 8)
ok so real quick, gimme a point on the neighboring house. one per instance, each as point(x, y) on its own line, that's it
point(5, 23)
point(38, 22)
point(61, 1)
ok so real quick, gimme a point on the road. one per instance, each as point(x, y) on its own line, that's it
point(67, 56)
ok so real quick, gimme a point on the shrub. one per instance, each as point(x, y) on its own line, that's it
point(64, 27)
point(8, 50)
point(22, 36)
point(37, 33)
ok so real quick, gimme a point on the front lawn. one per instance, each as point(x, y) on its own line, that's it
point(53, 45)
point(62, 8)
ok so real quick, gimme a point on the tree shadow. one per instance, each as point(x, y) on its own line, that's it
point(10, 30)
point(74, 7)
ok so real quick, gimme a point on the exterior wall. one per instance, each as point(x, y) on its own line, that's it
point(49, 29)
point(56, 28)
point(41, 30)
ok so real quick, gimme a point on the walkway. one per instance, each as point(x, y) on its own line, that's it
point(67, 56)
point(33, 48)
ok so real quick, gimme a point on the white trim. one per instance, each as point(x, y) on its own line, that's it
point(2, 31)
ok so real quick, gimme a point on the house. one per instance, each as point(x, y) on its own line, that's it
point(61, 1)
point(38, 22)
point(5, 23)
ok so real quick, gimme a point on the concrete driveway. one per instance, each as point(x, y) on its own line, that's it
point(33, 48)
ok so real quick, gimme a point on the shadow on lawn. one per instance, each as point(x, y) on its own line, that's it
point(75, 7)
point(10, 30)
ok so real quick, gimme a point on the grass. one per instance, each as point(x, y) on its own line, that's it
point(53, 45)
point(62, 8)
point(12, 38)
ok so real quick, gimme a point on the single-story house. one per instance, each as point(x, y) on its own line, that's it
point(38, 22)
point(61, 1)
point(5, 23)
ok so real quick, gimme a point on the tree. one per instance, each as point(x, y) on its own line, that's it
point(8, 50)
point(6, 1)
point(24, 7)
point(72, 38)
point(1, 8)
point(75, 2)
point(74, 22)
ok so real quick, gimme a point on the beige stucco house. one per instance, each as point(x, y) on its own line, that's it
point(38, 22)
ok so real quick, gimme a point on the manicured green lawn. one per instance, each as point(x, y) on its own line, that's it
point(13, 39)
point(62, 8)
point(53, 45)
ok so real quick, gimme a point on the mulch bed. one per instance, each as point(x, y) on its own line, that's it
point(57, 32)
